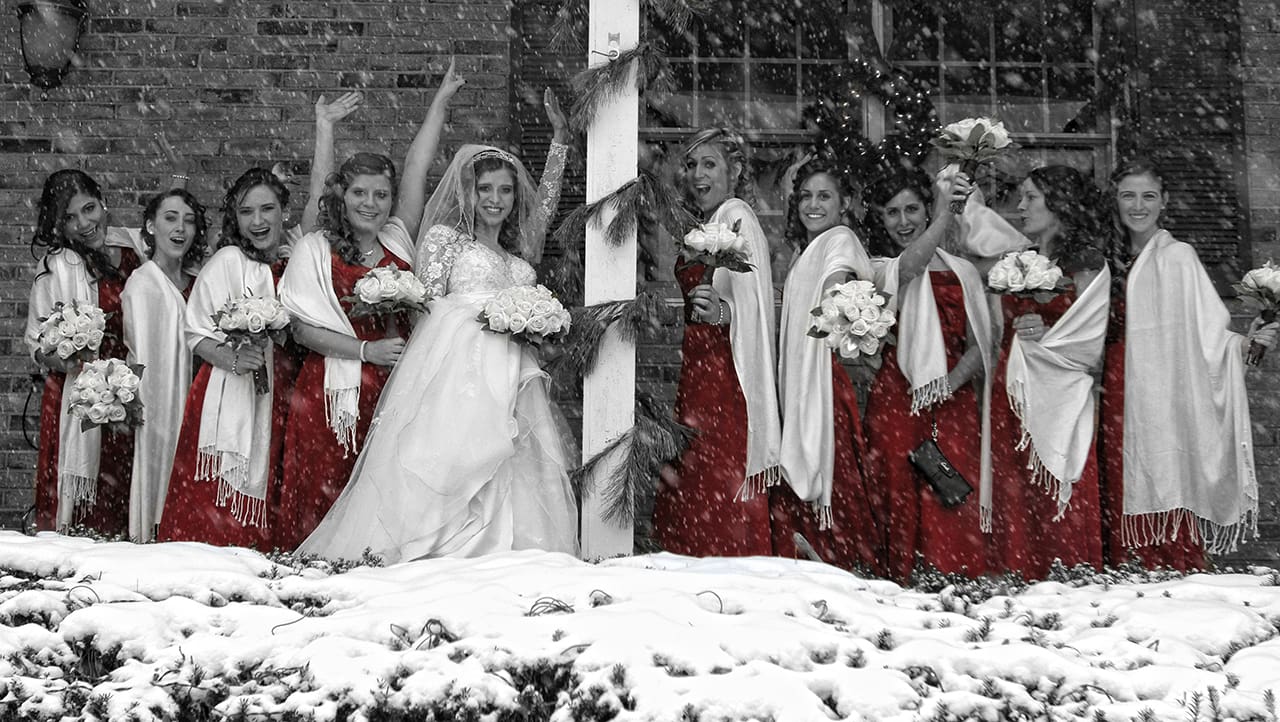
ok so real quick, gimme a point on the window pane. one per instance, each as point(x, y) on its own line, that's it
point(913, 34)
point(721, 37)
point(721, 87)
point(822, 31)
point(774, 97)
point(678, 109)
point(1069, 35)
point(967, 92)
point(1019, 99)
point(1019, 35)
point(772, 30)
point(1069, 93)
point(966, 35)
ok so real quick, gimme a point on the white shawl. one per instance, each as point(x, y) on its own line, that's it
point(235, 421)
point(154, 320)
point(306, 290)
point(922, 355)
point(804, 367)
point(68, 280)
point(751, 336)
point(1050, 390)
point(1188, 447)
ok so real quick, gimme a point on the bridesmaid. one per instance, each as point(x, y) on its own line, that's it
point(81, 477)
point(1046, 503)
point(366, 220)
point(931, 378)
point(826, 498)
point(1188, 422)
point(226, 473)
point(154, 303)
point(713, 501)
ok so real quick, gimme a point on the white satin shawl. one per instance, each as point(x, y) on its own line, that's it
point(306, 290)
point(751, 336)
point(1050, 389)
point(235, 421)
point(804, 367)
point(1188, 446)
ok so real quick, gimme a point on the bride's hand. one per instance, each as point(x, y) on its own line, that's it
point(384, 352)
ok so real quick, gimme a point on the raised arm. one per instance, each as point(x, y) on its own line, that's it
point(412, 195)
point(327, 116)
point(548, 198)
point(179, 166)
point(914, 259)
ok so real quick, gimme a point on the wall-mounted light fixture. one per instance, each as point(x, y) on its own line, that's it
point(50, 32)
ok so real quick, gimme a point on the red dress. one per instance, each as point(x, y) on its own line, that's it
point(190, 508)
point(1027, 539)
point(700, 517)
point(856, 538)
point(316, 467)
point(110, 511)
point(1183, 553)
point(950, 540)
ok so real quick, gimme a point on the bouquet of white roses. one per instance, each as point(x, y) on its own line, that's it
point(530, 313)
point(1027, 273)
point(385, 291)
point(106, 393)
point(252, 321)
point(715, 245)
point(73, 330)
point(853, 321)
point(1260, 289)
point(969, 142)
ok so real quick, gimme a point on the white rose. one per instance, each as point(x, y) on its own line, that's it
point(869, 344)
point(962, 128)
point(996, 134)
point(67, 329)
point(859, 327)
point(848, 346)
point(880, 329)
point(1034, 279)
point(107, 397)
point(870, 314)
point(1052, 276)
point(524, 307)
point(1026, 259)
point(97, 414)
point(66, 349)
point(498, 322)
point(95, 339)
point(86, 395)
point(255, 323)
point(517, 322)
point(696, 240)
point(542, 307)
point(1015, 280)
point(538, 325)
point(125, 395)
point(80, 340)
point(1271, 278)
point(998, 277)
point(115, 413)
point(387, 288)
point(367, 290)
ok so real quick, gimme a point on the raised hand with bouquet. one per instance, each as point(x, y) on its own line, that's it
point(969, 143)
point(1260, 290)
point(714, 245)
point(251, 325)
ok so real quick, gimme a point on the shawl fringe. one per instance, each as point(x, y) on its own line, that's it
point(83, 490)
point(210, 466)
point(1139, 530)
point(342, 422)
point(1040, 475)
point(758, 484)
point(926, 396)
point(825, 518)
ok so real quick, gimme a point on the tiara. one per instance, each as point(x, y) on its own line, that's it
point(494, 153)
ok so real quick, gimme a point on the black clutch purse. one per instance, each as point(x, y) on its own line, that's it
point(943, 477)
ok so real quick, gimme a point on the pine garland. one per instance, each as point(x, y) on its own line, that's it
point(634, 318)
point(572, 17)
point(596, 85)
point(654, 440)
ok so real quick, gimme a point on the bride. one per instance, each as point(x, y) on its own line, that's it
point(463, 456)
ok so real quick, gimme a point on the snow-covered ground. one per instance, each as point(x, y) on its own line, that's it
point(188, 631)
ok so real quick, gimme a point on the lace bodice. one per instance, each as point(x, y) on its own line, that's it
point(452, 262)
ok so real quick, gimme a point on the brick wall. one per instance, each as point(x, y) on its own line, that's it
point(1260, 75)
point(232, 84)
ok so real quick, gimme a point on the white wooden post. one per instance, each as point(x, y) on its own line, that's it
point(608, 395)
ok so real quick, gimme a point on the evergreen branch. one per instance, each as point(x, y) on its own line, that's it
point(571, 18)
point(581, 348)
point(678, 13)
point(594, 86)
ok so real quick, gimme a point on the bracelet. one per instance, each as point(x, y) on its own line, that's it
point(720, 315)
point(362, 345)
point(235, 362)
point(178, 176)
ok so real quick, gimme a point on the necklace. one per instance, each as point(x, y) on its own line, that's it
point(370, 252)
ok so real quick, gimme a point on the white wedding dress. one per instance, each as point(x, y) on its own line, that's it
point(463, 456)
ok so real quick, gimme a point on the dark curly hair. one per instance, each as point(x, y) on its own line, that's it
point(333, 209)
point(734, 148)
point(795, 233)
point(1077, 205)
point(247, 181)
point(59, 188)
point(509, 234)
point(195, 255)
point(1118, 255)
point(878, 195)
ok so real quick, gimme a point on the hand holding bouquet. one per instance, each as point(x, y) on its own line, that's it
point(531, 314)
point(72, 332)
point(715, 245)
point(1260, 290)
point(1028, 273)
point(252, 321)
point(969, 142)
point(385, 291)
point(105, 393)
point(852, 320)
